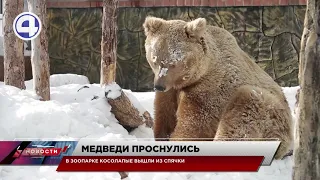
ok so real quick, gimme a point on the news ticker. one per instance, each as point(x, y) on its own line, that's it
point(93, 155)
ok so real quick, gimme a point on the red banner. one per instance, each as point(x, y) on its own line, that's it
point(161, 163)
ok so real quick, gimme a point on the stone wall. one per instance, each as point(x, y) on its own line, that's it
point(271, 35)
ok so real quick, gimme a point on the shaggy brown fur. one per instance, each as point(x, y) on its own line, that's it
point(211, 88)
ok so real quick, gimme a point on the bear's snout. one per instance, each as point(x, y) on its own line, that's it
point(159, 88)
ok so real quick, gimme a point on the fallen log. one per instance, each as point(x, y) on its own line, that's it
point(125, 108)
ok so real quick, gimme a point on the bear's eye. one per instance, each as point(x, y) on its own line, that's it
point(154, 58)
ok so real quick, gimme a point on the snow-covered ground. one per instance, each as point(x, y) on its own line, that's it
point(76, 112)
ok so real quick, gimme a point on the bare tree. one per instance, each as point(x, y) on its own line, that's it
point(14, 69)
point(109, 42)
point(307, 142)
point(39, 52)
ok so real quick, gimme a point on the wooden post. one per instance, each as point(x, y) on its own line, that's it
point(39, 52)
point(13, 54)
point(307, 141)
point(109, 42)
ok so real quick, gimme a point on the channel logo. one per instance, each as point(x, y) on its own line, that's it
point(40, 151)
point(27, 26)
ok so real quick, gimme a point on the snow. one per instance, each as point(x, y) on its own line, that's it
point(163, 72)
point(176, 53)
point(79, 110)
point(113, 90)
point(61, 79)
point(291, 92)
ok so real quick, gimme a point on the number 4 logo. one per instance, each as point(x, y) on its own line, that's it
point(27, 26)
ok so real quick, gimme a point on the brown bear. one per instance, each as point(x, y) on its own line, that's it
point(208, 87)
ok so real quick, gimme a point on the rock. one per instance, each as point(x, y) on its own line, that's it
point(277, 20)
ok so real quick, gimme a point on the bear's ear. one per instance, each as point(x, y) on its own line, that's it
point(196, 28)
point(152, 24)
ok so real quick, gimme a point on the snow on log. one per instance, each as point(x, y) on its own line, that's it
point(126, 107)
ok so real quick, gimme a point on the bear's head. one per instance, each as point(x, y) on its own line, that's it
point(175, 50)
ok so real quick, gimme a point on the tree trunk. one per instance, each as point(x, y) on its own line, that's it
point(307, 142)
point(127, 115)
point(109, 42)
point(13, 54)
point(39, 52)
